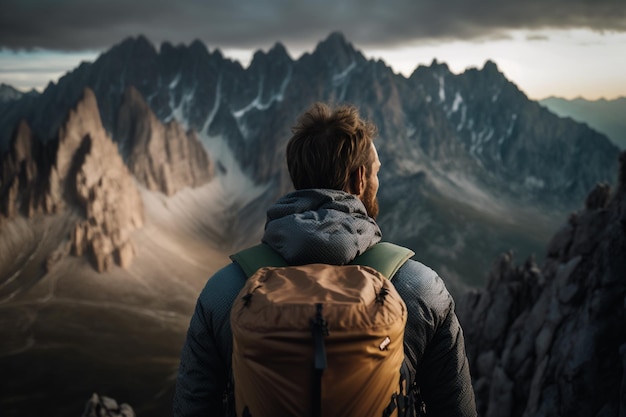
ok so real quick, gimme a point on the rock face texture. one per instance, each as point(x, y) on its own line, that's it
point(162, 157)
point(101, 184)
point(81, 170)
point(23, 176)
point(551, 341)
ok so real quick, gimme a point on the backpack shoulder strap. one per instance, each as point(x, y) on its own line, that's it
point(257, 257)
point(384, 257)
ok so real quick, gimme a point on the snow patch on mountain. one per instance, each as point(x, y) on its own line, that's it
point(340, 78)
point(458, 100)
point(478, 140)
point(175, 81)
point(216, 105)
point(509, 129)
point(461, 124)
point(258, 104)
point(179, 110)
point(442, 90)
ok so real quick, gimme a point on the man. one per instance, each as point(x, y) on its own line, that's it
point(329, 219)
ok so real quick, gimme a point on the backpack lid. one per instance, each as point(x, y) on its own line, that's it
point(384, 257)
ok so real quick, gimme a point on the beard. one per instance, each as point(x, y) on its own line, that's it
point(370, 201)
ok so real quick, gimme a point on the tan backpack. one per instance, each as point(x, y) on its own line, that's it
point(319, 340)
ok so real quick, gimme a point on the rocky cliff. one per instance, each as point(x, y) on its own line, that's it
point(551, 340)
point(80, 170)
point(162, 157)
point(101, 184)
point(23, 176)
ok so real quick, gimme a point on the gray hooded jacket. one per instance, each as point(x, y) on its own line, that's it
point(332, 227)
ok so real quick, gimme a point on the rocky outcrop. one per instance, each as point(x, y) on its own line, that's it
point(551, 341)
point(90, 170)
point(162, 157)
point(82, 169)
point(18, 170)
point(23, 176)
point(101, 406)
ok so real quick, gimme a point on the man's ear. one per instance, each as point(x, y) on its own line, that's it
point(358, 181)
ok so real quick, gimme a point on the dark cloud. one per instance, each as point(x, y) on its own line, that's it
point(95, 24)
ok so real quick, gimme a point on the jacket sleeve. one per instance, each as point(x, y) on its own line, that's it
point(434, 343)
point(205, 357)
point(201, 378)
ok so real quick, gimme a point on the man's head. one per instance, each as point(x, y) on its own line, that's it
point(333, 149)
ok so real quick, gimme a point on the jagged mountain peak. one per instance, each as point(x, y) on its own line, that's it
point(278, 50)
point(135, 44)
point(163, 158)
point(490, 72)
point(195, 48)
point(89, 171)
point(276, 56)
point(435, 68)
point(134, 54)
point(337, 38)
point(198, 46)
point(167, 47)
point(491, 80)
point(491, 67)
point(334, 47)
point(436, 65)
point(84, 114)
point(9, 93)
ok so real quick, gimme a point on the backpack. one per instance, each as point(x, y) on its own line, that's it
point(320, 340)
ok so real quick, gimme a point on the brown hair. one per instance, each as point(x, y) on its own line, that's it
point(328, 146)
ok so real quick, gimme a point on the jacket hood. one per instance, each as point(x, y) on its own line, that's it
point(320, 226)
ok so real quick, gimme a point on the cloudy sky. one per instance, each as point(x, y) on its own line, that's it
point(567, 48)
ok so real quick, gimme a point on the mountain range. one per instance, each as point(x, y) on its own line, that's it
point(606, 116)
point(469, 153)
point(129, 181)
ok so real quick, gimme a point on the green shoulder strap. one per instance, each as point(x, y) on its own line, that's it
point(384, 257)
point(257, 257)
